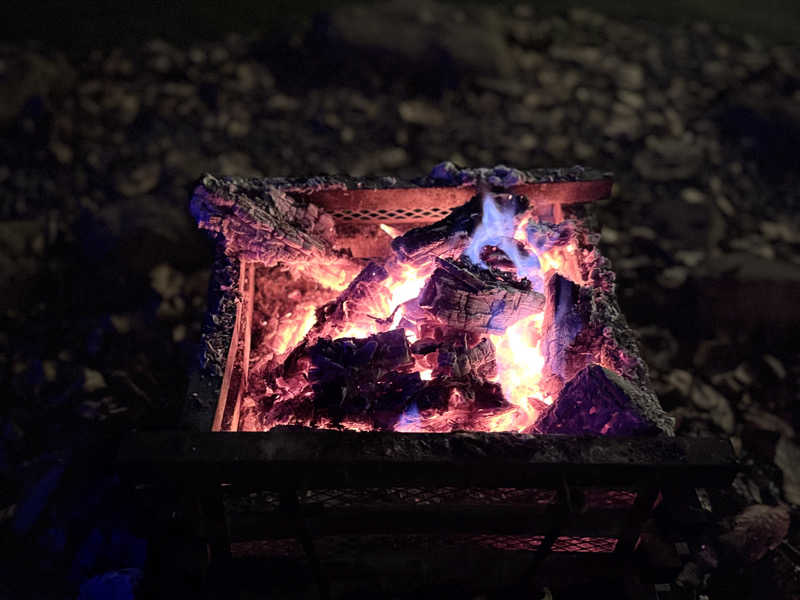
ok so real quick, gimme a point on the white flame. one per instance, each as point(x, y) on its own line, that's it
point(497, 228)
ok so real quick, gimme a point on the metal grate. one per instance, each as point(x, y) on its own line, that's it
point(353, 545)
point(599, 498)
point(584, 544)
point(390, 215)
point(342, 498)
point(428, 496)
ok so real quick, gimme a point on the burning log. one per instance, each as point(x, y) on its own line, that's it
point(448, 237)
point(269, 226)
point(565, 317)
point(461, 396)
point(353, 378)
point(355, 303)
point(459, 362)
point(598, 401)
point(472, 299)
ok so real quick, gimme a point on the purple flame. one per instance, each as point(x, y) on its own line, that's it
point(497, 229)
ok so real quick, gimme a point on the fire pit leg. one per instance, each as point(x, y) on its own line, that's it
point(218, 540)
point(290, 504)
point(647, 497)
point(558, 515)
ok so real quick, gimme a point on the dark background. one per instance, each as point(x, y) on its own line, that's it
point(110, 111)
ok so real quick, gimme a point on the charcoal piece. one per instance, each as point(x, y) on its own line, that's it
point(365, 357)
point(272, 227)
point(565, 316)
point(351, 378)
point(446, 238)
point(482, 359)
point(424, 346)
point(458, 362)
point(393, 351)
point(435, 395)
point(486, 394)
point(473, 393)
point(449, 237)
point(395, 395)
point(467, 298)
point(355, 302)
point(598, 401)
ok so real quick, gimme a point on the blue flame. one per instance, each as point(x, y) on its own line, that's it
point(409, 419)
point(497, 229)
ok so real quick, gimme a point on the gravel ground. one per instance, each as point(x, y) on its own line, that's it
point(104, 274)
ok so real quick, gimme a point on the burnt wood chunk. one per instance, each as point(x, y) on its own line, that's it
point(565, 317)
point(459, 362)
point(357, 379)
point(471, 299)
point(272, 227)
point(597, 401)
point(424, 346)
point(448, 237)
point(355, 302)
point(380, 352)
point(473, 393)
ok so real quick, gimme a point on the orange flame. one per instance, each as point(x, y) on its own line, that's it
point(518, 353)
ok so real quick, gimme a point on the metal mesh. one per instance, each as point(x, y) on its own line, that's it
point(594, 498)
point(388, 215)
point(427, 496)
point(584, 544)
point(599, 498)
point(353, 545)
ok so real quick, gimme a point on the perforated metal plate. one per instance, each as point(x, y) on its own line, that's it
point(391, 215)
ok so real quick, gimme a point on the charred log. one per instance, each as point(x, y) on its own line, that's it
point(458, 361)
point(449, 237)
point(355, 379)
point(467, 298)
point(354, 303)
point(272, 227)
point(461, 395)
point(598, 401)
point(566, 315)
point(424, 346)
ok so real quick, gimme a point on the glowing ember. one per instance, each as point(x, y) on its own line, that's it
point(442, 378)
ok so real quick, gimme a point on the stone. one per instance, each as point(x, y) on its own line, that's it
point(787, 458)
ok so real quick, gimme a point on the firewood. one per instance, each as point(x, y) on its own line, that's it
point(354, 303)
point(459, 362)
point(448, 237)
point(273, 228)
point(565, 317)
point(467, 298)
point(352, 378)
point(598, 401)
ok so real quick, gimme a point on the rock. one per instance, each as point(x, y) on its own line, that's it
point(114, 585)
point(630, 76)
point(757, 530)
point(692, 195)
point(31, 74)
point(667, 158)
point(425, 35)
point(766, 421)
point(420, 112)
point(708, 399)
point(141, 180)
point(787, 458)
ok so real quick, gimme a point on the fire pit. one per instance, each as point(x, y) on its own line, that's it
point(434, 368)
